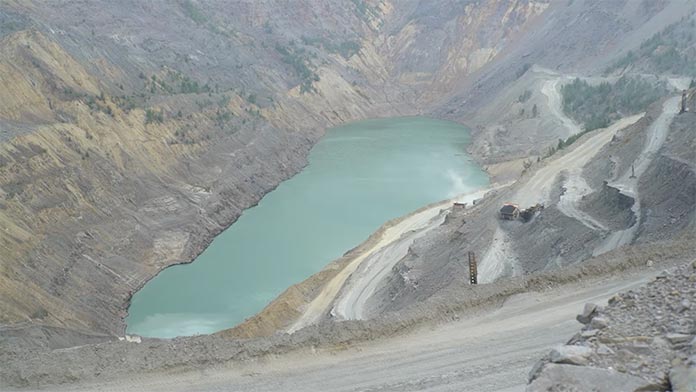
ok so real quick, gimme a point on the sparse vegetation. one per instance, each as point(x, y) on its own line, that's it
point(174, 82)
point(223, 117)
point(98, 104)
point(184, 136)
point(670, 51)
point(363, 9)
point(188, 86)
point(344, 48)
point(39, 314)
point(598, 106)
point(126, 102)
point(224, 101)
point(153, 116)
point(297, 58)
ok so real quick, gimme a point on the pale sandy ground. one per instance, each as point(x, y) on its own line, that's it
point(418, 222)
point(488, 350)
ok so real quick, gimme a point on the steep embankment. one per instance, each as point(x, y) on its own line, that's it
point(157, 363)
point(643, 340)
point(524, 117)
point(436, 259)
point(132, 133)
point(96, 199)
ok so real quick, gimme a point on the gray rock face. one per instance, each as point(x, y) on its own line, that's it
point(586, 316)
point(683, 379)
point(599, 323)
point(677, 338)
point(644, 335)
point(578, 378)
point(573, 355)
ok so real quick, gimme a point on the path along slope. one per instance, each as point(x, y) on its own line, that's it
point(488, 351)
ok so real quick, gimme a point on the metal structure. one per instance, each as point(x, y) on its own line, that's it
point(473, 273)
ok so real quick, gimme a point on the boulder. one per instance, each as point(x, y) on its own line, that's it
point(603, 349)
point(573, 355)
point(683, 378)
point(582, 378)
point(678, 338)
point(599, 323)
point(587, 313)
point(590, 333)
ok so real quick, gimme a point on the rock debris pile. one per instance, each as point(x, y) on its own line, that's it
point(644, 340)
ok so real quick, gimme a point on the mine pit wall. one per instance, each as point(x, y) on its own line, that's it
point(610, 207)
point(100, 231)
point(94, 201)
point(94, 206)
point(197, 188)
point(668, 188)
point(436, 262)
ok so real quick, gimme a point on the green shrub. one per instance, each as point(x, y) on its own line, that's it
point(297, 59)
point(670, 51)
point(598, 106)
point(153, 116)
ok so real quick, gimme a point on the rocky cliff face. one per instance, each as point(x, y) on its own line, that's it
point(132, 133)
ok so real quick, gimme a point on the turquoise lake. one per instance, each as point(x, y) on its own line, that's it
point(359, 176)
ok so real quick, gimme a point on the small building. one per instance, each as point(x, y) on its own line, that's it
point(510, 211)
point(459, 206)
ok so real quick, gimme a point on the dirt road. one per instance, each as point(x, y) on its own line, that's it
point(628, 182)
point(537, 189)
point(551, 89)
point(492, 350)
point(350, 304)
point(388, 250)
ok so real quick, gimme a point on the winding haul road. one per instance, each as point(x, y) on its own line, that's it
point(345, 296)
point(487, 351)
point(538, 188)
point(374, 264)
point(628, 184)
point(500, 257)
point(351, 301)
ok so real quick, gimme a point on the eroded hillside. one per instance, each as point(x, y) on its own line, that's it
point(133, 133)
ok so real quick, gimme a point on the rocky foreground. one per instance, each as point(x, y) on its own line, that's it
point(644, 340)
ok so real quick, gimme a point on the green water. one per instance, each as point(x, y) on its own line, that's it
point(359, 176)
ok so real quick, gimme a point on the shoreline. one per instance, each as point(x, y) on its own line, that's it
point(332, 269)
point(207, 239)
